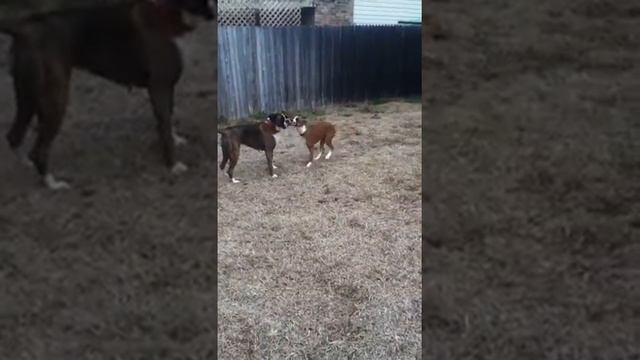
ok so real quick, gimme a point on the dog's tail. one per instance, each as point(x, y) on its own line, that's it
point(332, 131)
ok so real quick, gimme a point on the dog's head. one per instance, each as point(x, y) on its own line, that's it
point(300, 124)
point(279, 120)
point(192, 12)
point(298, 121)
point(287, 118)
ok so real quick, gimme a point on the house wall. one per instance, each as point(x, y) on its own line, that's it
point(386, 12)
point(333, 12)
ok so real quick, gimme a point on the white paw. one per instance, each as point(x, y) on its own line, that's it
point(328, 155)
point(274, 166)
point(54, 184)
point(309, 164)
point(274, 176)
point(178, 168)
point(178, 140)
point(26, 162)
point(318, 156)
point(234, 180)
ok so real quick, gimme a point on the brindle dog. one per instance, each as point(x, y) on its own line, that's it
point(131, 44)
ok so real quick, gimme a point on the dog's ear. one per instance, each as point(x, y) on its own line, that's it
point(273, 118)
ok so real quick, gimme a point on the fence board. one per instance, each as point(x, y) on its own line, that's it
point(266, 69)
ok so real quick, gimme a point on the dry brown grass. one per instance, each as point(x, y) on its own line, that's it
point(531, 153)
point(323, 262)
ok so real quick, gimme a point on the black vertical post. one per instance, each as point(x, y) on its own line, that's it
point(256, 16)
point(307, 16)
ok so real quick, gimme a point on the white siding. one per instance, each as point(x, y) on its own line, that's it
point(386, 12)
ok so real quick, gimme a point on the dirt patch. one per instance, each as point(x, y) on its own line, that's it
point(531, 160)
point(120, 266)
point(323, 262)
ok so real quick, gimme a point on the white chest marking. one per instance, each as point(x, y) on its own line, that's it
point(277, 136)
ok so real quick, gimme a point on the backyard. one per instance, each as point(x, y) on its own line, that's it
point(324, 262)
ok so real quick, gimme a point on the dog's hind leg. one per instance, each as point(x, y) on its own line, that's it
point(25, 112)
point(329, 138)
point(24, 73)
point(51, 110)
point(321, 148)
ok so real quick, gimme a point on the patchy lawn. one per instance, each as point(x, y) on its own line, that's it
point(121, 265)
point(324, 262)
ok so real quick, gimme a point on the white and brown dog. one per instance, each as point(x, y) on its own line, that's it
point(317, 132)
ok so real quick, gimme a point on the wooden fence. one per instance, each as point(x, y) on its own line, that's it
point(264, 69)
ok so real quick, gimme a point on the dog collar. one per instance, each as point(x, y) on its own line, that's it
point(271, 125)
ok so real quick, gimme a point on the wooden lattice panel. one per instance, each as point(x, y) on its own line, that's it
point(266, 12)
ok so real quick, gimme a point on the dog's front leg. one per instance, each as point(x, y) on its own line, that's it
point(310, 147)
point(162, 102)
